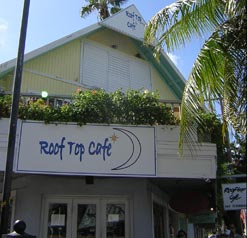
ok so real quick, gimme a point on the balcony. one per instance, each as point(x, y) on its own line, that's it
point(161, 158)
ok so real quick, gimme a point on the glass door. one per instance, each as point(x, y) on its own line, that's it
point(57, 218)
point(86, 217)
point(115, 216)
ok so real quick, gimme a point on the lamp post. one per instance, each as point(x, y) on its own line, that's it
point(6, 190)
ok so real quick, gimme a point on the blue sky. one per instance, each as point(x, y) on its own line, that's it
point(50, 20)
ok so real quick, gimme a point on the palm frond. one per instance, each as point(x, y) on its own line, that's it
point(87, 10)
point(218, 76)
point(180, 21)
point(104, 7)
point(115, 10)
point(212, 79)
point(117, 3)
point(198, 91)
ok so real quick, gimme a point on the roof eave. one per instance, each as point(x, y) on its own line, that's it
point(165, 67)
point(9, 65)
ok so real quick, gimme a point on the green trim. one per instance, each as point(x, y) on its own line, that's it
point(164, 68)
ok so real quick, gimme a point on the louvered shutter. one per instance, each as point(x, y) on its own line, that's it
point(119, 73)
point(140, 75)
point(95, 65)
point(111, 70)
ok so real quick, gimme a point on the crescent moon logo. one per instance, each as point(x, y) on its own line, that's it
point(136, 149)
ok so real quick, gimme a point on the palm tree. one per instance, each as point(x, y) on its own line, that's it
point(218, 76)
point(102, 6)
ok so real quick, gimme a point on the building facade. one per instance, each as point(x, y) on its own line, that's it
point(105, 180)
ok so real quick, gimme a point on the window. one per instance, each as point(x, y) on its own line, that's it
point(84, 217)
point(109, 69)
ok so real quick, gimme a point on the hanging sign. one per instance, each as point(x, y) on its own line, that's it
point(57, 220)
point(234, 196)
point(86, 150)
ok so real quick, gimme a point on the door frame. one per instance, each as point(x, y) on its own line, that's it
point(85, 200)
point(45, 212)
point(161, 202)
point(73, 200)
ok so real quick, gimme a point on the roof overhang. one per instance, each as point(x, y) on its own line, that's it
point(165, 67)
point(128, 22)
point(9, 65)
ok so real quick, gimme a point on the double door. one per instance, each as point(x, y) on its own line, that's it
point(86, 217)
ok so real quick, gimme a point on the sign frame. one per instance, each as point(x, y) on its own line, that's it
point(234, 196)
point(92, 149)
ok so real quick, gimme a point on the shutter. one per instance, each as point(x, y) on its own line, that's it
point(140, 75)
point(119, 73)
point(110, 70)
point(95, 64)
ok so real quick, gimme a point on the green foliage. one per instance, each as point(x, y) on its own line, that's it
point(105, 8)
point(218, 75)
point(34, 109)
point(96, 106)
point(210, 128)
point(238, 154)
point(5, 105)
point(92, 106)
point(227, 165)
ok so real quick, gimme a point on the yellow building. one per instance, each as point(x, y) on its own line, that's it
point(128, 189)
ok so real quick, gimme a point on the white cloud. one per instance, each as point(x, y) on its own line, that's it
point(3, 32)
point(174, 58)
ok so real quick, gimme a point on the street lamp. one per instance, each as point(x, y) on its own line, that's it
point(13, 122)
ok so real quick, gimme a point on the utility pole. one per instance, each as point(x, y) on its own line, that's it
point(7, 183)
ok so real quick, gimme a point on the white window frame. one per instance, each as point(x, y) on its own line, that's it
point(45, 209)
point(163, 203)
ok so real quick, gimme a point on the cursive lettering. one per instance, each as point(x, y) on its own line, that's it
point(135, 19)
point(234, 193)
point(97, 149)
point(52, 148)
point(76, 149)
point(73, 148)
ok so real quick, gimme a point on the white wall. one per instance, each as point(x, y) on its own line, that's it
point(31, 188)
point(197, 163)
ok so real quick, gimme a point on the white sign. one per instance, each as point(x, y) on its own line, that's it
point(113, 218)
point(127, 21)
point(89, 149)
point(57, 220)
point(234, 196)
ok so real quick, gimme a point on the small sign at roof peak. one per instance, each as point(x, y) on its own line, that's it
point(127, 21)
